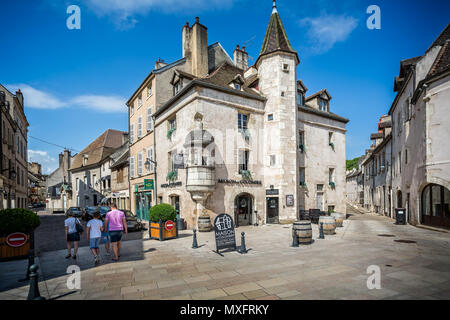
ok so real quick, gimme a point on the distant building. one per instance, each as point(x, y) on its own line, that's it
point(91, 169)
point(58, 185)
point(36, 183)
point(120, 186)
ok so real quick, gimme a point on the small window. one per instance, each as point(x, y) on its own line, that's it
point(237, 86)
point(300, 99)
point(178, 86)
point(320, 187)
point(285, 67)
point(331, 175)
point(244, 156)
point(270, 117)
point(323, 105)
point(242, 121)
point(272, 160)
point(149, 91)
point(282, 93)
point(302, 177)
point(140, 101)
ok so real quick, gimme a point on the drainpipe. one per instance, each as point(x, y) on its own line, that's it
point(155, 163)
point(129, 154)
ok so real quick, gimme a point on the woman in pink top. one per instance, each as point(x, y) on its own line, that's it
point(117, 225)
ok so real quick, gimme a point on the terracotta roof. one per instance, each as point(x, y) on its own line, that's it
point(276, 38)
point(100, 149)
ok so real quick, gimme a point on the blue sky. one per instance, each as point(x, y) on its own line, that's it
point(76, 82)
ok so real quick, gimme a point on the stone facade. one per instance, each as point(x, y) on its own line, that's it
point(417, 161)
point(227, 137)
point(14, 136)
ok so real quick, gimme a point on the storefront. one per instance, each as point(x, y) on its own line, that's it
point(143, 199)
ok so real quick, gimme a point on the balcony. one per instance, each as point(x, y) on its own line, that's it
point(201, 179)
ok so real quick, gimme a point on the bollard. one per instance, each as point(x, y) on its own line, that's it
point(30, 258)
point(33, 293)
point(194, 242)
point(294, 237)
point(243, 249)
point(321, 235)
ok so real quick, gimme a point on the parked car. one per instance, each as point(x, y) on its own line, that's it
point(89, 212)
point(133, 223)
point(76, 211)
point(104, 210)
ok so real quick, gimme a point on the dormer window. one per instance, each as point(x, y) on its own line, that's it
point(149, 90)
point(300, 98)
point(177, 87)
point(85, 159)
point(237, 86)
point(140, 101)
point(323, 105)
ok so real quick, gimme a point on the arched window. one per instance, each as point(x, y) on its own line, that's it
point(435, 206)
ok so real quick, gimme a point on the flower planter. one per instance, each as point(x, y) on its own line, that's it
point(159, 231)
point(8, 252)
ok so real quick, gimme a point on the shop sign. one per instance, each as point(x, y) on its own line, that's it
point(249, 182)
point(172, 185)
point(224, 232)
point(290, 200)
point(149, 184)
point(272, 192)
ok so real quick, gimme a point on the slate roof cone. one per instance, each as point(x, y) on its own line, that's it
point(276, 38)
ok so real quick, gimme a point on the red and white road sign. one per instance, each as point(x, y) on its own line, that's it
point(16, 239)
point(170, 225)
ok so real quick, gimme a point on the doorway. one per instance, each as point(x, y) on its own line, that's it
point(319, 201)
point(143, 204)
point(273, 215)
point(175, 202)
point(243, 205)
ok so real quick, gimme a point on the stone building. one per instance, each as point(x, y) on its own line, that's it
point(355, 190)
point(59, 185)
point(420, 131)
point(376, 168)
point(91, 172)
point(242, 140)
point(120, 186)
point(14, 164)
point(37, 192)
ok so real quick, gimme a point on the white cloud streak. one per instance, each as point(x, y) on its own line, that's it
point(124, 13)
point(38, 99)
point(327, 30)
point(49, 164)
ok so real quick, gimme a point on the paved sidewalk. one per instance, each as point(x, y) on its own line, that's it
point(334, 268)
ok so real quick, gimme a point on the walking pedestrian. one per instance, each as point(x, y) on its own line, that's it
point(94, 230)
point(117, 225)
point(105, 237)
point(72, 235)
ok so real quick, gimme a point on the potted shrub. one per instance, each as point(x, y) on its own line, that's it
point(16, 221)
point(163, 222)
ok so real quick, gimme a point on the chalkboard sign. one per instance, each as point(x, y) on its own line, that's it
point(224, 230)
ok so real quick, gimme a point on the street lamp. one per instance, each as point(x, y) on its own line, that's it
point(11, 172)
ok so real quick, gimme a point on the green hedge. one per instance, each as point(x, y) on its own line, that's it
point(18, 220)
point(163, 212)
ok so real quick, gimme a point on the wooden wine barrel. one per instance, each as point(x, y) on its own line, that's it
point(339, 217)
point(204, 224)
point(303, 231)
point(329, 225)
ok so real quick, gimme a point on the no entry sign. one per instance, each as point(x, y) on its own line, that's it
point(169, 225)
point(16, 239)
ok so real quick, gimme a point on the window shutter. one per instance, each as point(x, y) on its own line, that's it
point(140, 156)
point(132, 170)
point(139, 127)
point(132, 133)
point(149, 119)
point(150, 156)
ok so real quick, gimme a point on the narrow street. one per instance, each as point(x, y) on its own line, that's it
point(334, 268)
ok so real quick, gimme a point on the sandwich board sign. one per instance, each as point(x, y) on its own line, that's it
point(224, 232)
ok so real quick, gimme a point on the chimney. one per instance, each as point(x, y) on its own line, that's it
point(160, 63)
point(241, 58)
point(61, 160)
point(19, 96)
point(195, 48)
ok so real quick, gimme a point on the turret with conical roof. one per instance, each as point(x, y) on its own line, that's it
point(276, 38)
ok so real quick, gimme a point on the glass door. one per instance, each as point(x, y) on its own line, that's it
point(272, 210)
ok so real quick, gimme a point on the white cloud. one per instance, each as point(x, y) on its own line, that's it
point(106, 104)
point(36, 98)
point(326, 30)
point(39, 99)
point(124, 12)
point(49, 164)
